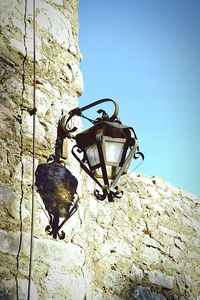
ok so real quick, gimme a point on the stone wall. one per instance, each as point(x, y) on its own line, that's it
point(143, 246)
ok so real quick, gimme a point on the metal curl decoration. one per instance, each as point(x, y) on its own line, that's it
point(100, 196)
point(110, 194)
point(138, 154)
point(54, 228)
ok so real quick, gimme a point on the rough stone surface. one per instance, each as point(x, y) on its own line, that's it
point(145, 245)
point(144, 293)
point(161, 279)
point(9, 288)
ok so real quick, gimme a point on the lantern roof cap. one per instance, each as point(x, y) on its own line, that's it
point(111, 129)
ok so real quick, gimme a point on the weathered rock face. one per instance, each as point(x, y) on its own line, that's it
point(143, 246)
point(149, 239)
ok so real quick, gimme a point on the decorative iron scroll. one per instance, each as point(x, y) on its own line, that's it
point(54, 228)
point(110, 194)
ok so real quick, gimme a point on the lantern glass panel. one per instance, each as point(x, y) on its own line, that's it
point(92, 155)
point(114, 151)
point(111, 172)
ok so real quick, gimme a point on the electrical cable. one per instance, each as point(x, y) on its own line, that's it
point(33, 149)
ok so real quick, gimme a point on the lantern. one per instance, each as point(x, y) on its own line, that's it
point(107, 149)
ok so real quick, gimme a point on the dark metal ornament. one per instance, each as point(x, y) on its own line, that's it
point(57, 187)
point(90, 149)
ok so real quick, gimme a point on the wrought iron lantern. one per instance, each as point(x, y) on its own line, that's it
point(107, 148)
point(57, 188)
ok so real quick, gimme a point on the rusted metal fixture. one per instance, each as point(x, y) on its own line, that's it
point(107, 148)
point(57, 188)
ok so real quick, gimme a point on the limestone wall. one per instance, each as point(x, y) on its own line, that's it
point(143, 246)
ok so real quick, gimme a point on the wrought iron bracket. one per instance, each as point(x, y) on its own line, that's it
point(65, 119)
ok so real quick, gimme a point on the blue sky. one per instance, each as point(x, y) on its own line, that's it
point(145, 55)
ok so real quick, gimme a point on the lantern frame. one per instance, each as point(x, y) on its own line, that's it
point(105, 130)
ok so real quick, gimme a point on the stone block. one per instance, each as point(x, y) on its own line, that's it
point(27, 125)
point(93, 207)
point(43, 103)
point(197, 269)
point(179, 244)
point(60, 254)
point(152, 192)
point(104, 217)
point(55, 23)
point(4, 162)
point(145, 293)
point(119, 247)
point(168, 231)
point(150, 256)
point(78, 83)
point(175, 253)
point(161, 279)
point(65, 286)
point(137, 201)
point(10, 243)
point(183, 281)
point(136, 274)
point(151, 242)
point(11, 201)
point(57, 2)
point(17, 289)
point(27, 174)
